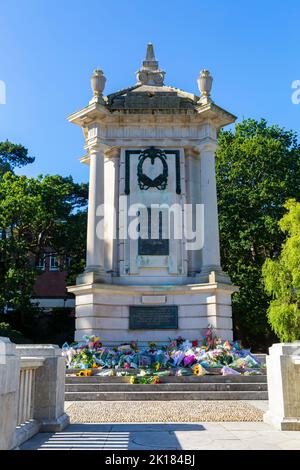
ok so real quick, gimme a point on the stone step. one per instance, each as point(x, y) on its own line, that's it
point(173, 379)
point(165, 396)
point(261, 357)
point(167, 387)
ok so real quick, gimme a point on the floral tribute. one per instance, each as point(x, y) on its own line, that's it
point(146, 364)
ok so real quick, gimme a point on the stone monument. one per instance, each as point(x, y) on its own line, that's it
point(151, 155)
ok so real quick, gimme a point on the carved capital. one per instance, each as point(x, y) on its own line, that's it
point(96, 146)
point(113, 152)
point(191, 152)
point(208, 145)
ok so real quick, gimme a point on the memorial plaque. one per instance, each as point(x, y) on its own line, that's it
point(153, 318)
point(154, 246)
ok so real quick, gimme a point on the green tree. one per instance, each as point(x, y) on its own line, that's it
point(12, 156)
point(36, 214)
point(282, 278)
point(258, 169)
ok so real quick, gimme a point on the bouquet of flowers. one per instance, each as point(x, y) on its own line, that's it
point(178, 355)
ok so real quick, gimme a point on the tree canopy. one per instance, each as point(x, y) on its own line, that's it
point(12, 156)
point(36, 214)
point(282, 278)
point(258, 169)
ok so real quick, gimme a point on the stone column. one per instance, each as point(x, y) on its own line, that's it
point(283, 371)
point(208, 190)
point(49, 392)
point(95, 230)
point(9, 385)
point(111, 172)
point(192, 176)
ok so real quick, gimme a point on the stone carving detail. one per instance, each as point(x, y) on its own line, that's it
point(98, 81)
point(205, 83)
point(150, 74)
point(144, 181)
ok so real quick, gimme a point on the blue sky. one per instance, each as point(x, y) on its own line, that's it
point(49, 49)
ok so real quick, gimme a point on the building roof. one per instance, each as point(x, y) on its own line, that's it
point(150, 95)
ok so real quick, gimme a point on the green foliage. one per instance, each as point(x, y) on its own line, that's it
point(12, 156)
point(282, 278)
point(15, 336)
point(36, 214)
point(55, 326)
point(258, 169)
point(62, 325)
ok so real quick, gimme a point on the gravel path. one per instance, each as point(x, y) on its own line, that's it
point(161, 412)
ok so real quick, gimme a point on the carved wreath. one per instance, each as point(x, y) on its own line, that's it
point(144, 181)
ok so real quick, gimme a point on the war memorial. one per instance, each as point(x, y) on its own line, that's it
point(153, 267)
point(153, 305)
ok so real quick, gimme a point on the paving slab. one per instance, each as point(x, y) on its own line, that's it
point(246, 426)
point(291, 444)
point(224, 444)
point(171, 436)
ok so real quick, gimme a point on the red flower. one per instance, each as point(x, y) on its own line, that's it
point(195, 343)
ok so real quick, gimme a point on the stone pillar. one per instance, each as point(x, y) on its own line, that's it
point(95, 236)
point(111, 184)
point(211, 249)
point(49, 392)
point(9, 385)
point(192, 176)
point(283, 371)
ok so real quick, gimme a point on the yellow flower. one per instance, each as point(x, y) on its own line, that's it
point(198, 370)
point(157, 366)
point(133, 379)
point(84, 373)
point(155, 380)
point(95, 366)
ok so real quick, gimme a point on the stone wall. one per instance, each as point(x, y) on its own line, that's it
point(32, 387)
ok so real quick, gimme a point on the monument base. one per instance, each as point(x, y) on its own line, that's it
point(282, 423)
point(120, 313)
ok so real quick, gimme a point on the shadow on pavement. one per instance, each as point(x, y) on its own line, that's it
point(112, 437)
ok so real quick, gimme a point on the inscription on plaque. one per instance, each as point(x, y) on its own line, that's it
point(152, 246)
point(154, 318)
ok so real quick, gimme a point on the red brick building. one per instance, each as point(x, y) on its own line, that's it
point(50, 287)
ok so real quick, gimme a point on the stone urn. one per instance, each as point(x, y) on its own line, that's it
point(98, 83)
point(205, 83)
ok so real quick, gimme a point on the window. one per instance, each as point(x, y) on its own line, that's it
point(41, 263)
point(53, 263)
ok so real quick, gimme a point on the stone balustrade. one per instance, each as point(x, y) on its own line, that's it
point(26, 388)
point(32, 382)
point(283, 371)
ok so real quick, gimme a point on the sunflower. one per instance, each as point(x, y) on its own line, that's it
point(84, 373)
point(133, 379)
point(199, 370)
